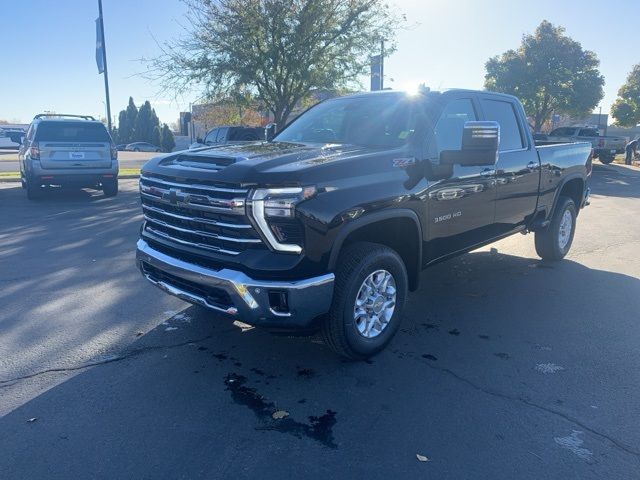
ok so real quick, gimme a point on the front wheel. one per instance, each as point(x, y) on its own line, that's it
point(554, 241)
point(369, 295)
point(606, 160)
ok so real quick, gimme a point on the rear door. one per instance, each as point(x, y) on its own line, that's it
point(518, 167)
point(71, 144)
point(461, 207)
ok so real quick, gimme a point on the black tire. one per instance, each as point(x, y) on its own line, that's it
point(338, 328)
point(606, 160)
point(34, 192)
point(110, 188)
point(548, 244)
point(136, 149)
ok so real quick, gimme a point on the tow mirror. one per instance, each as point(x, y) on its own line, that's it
point(270, 131)
point(480, 142)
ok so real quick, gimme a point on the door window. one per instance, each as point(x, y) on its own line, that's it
point(450, 125)
point(211, 137)
point(504, 113)
point(222, 135)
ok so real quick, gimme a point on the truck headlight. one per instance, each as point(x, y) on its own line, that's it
point(278, 203)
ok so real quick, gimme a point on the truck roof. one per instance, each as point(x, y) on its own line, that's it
point(444, 92)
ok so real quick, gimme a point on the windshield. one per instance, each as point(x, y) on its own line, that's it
point(372, 121)
point(72, 132)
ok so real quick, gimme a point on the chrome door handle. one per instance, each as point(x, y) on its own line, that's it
point(488, 172)
point(532, 165)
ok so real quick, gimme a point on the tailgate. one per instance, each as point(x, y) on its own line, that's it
point(75, 155)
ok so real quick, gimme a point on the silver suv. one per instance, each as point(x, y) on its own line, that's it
point(68, 150)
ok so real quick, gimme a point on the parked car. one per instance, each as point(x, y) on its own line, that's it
point(11, 137)
point(142, 147)
point(121, 147)
point(229, 134)
point(328, 225)
point(605, 147)
point(68, 150)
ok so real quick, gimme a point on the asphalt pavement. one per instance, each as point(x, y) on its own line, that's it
point(9, 160)
point(505, 367)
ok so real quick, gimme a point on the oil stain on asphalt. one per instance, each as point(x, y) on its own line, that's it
point(319, 428)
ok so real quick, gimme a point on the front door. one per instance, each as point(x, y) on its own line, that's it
point(518, 167)
point(461, 207)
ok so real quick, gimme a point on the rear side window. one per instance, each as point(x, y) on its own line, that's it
point(588, 132)
point(505, 115)
point(243, 134)
point(563, 132)
point(72, 132)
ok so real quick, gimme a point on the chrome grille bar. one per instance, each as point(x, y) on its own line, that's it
point(199, 232)
point(206, 221)
point(193, 185)
point(220, 205)
point(190, 244)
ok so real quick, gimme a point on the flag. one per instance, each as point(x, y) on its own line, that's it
point(99, 47)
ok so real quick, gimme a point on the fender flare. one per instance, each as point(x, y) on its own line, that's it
point(561, 186)
point(370, 219)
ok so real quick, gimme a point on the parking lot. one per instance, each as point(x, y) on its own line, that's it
point(505, 367)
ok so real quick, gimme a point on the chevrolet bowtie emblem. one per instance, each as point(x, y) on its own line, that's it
point(175, 196)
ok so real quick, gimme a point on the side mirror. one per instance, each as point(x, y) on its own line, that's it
point(270, 131)
point(199, 140)
point(480, 142)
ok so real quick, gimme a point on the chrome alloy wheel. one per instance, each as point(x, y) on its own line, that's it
point(375, 304)
point(564, 234)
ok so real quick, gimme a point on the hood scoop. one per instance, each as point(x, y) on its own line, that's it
point(198, 161)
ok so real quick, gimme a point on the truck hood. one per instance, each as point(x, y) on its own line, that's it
point(260, 163)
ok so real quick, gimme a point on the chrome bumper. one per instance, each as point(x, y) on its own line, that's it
point(249, 299)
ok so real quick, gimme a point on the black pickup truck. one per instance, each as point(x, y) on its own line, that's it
point(328, 225)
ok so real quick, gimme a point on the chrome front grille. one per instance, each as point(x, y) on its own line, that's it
point(196, 215)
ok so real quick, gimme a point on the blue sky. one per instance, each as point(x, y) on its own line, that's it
point(47, 48)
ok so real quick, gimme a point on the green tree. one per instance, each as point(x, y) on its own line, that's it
point(126, 123)
point(278, 49)
point(549, 72)
point(145, 122)
point(626, 108)
point(156, 136)
point(167, 142)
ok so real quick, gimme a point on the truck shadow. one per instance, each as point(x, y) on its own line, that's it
point(200, 394)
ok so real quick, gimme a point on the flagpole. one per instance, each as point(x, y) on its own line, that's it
point(104, 58)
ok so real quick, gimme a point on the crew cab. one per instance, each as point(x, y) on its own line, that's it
point(605, 148)
point(328, 225)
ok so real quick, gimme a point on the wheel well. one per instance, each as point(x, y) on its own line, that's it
point(401, 234)
point(573, 189)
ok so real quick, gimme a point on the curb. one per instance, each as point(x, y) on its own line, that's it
point(17, 179)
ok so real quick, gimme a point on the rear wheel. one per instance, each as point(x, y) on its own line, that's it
point(554, 242)
point(606, 159)
point(369, 295)
point(34, 191)
point(110, 188)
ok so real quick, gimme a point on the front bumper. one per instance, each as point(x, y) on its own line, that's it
point(230, 292)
